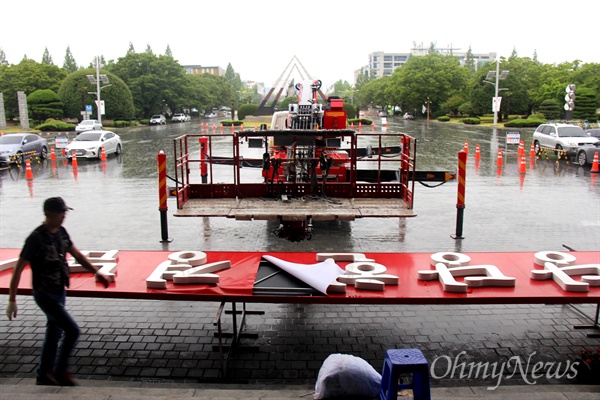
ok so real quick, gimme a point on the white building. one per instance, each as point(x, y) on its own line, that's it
point(383, 64)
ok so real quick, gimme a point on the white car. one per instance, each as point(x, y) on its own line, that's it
point(158, 119)
point(89, 144)
point(179, 118)
point(88, 125)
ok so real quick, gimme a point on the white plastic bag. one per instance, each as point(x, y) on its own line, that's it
point(346, 375)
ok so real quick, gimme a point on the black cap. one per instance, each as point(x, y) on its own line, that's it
point(56, 204)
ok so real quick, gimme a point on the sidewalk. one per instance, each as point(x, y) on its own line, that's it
point(24, 389)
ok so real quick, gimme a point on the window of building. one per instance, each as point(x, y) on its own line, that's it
point(387, 58)
point(387, 65)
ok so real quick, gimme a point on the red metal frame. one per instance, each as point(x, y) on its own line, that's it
point(186, 190)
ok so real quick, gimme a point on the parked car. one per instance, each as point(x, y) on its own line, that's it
point(15, 146)
point(210, 114)
point(88, 125)
point(585, 154)
point(558, 136)
point(188, 117)
point(178, 118)
point(593, 132)
point(158, 119)
point(89, 144)
point(408, 116)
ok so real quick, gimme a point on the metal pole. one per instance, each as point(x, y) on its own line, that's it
point(98, 107)
point(496, 88)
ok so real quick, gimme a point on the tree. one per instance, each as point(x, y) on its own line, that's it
point(130, 50)
point(44, 104)
point(436, 76)
point(27, 76)
point(551, 109)
point(75, 94)
point(3, 60)
point(69, 64)
point(149, 49)
point(168, 51)
point(470, 61)
point(586, 104)
point(46, 57)
point(157, 83)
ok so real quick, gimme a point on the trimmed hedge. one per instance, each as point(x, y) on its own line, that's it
point(443, 118)
point(246, 109)
point(471, 121)
point(229, 122)
point(364, 121)
point(524, 123)
point(55, 126)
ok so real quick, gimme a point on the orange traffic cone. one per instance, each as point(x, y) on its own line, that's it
point(103, 154)
point(466, 148)
point(28, 172)
point(477, 152)
point(373, 127)
point(522, 165)
point(499, 162)
point(52, 154)
point(214, 127)
point(74, 160)
point(595, 169)
point(532, 151)
point(521, 150)
point(360, 126)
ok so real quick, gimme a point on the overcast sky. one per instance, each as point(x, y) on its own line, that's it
point(331, 38)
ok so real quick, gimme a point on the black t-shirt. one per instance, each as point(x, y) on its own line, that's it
point(46, 253)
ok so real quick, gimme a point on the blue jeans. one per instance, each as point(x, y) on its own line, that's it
point(59, 322)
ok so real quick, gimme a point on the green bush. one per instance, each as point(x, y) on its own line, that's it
point(364, 121)
point(55, 126)
point(538, 116)
point(524, 123)
point(443, 118)
point(471, 121)
point(246, 109)
point(229, 122)
point(437, 114)
point(144, 121)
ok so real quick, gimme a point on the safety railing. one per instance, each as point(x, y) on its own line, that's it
point(206, 152)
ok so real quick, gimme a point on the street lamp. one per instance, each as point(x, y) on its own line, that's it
point(496, 100)
point(96, 80)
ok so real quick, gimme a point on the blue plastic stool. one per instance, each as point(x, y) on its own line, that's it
point(405, 361)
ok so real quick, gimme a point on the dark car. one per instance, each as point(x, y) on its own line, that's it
point(585, 154)
point(15, 147)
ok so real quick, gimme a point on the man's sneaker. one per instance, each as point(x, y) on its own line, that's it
point(46, 379)
point(65, 379)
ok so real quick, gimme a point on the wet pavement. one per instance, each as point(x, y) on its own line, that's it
point(116, 207)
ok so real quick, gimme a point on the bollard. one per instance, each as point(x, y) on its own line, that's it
point(161, 159)
point(203, 167)
point(460, 202)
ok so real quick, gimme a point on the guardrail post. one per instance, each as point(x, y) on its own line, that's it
point(161, 159)
point(460, 202)
point(203, 167)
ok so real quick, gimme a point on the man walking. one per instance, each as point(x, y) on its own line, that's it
point(45, 251)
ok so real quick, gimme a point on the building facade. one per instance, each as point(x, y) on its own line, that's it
point(199, 69)
point(383, 64)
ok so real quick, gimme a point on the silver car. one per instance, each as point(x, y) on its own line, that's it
point(564, 137)
point(16, 147)
point(89, 144)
